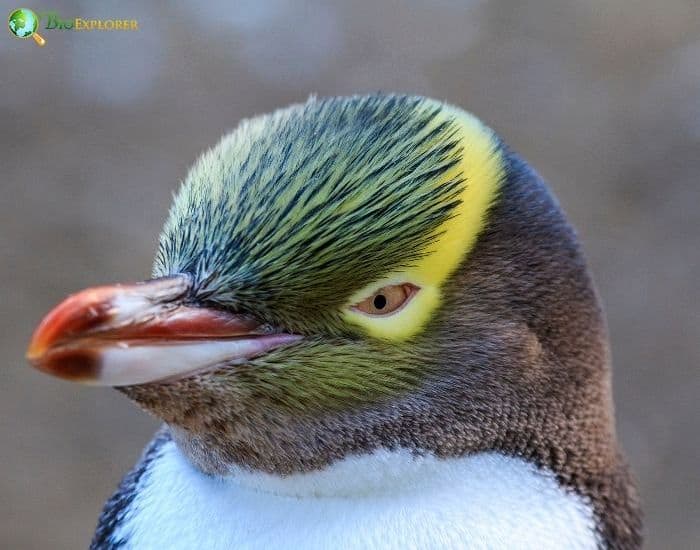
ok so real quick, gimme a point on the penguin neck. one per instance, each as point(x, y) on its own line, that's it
point(372, 475)
point(357, 502)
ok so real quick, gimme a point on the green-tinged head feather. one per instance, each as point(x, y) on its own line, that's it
point(293, 214)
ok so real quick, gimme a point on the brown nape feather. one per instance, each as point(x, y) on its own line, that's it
point(528, 267)
point(521, 366)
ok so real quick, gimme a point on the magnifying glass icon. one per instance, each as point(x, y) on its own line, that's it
point(23, 23)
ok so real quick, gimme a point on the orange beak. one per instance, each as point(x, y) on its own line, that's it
point(121, 335)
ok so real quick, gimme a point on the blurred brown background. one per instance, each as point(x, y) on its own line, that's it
point(601, 96)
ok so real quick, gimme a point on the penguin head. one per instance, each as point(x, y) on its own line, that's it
point(347, 274)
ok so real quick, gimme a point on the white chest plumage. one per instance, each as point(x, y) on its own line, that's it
point(388, 500)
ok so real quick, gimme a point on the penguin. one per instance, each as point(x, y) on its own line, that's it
point(369, 326)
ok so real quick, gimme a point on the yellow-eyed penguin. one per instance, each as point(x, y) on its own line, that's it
point(370, 326)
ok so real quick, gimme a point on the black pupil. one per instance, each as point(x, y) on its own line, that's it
point(380, 301)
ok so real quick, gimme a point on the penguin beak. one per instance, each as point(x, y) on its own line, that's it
point(121, 335)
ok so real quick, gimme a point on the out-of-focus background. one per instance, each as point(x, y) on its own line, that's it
point(98, 129)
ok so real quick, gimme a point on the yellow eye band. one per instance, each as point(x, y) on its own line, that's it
point(482, 170)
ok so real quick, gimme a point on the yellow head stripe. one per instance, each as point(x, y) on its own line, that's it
point(482, 169)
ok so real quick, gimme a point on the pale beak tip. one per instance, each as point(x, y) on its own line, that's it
point(38, 346)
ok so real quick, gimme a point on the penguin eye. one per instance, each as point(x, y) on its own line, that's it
point(387, 299)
